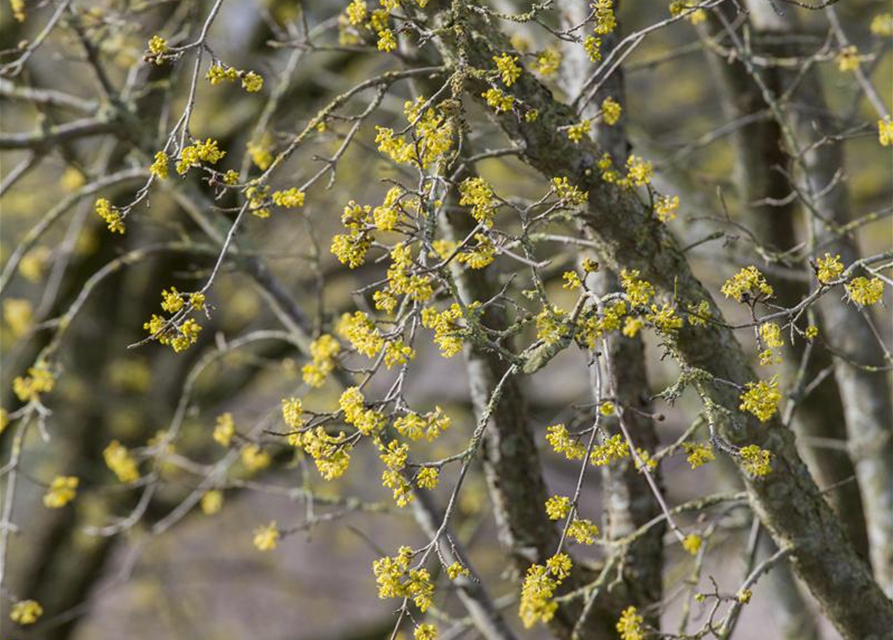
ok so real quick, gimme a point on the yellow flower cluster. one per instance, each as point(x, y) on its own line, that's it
point(638, 292)
point(39, 380)
point(480, 255)
point(110, 214)
point(330, 453)
point(865, 292)
point(251, 81)
point(427, 478)
point(757, 462)
point(678, 7)
point(557, 507)
point(548, 61)
point(746, 285)
point(159, 168)
point(583, 531)
point(224, 430)
point(882, 25)
point(396, 580)
point(611, 111)
point(664, 318)
point(568, 193)
point(157, 48)
point(559, 565)
point(425, 631)
point(292, 412)
point(121, 462)
point(550, 325)
point(692, 543)
point(562, 442)
point(885, 131)
point(572, 281)
point(396, 352)
point(605, 22)
point(367, 421)
point(593, 48)
point(431, 425)
point(537, 596)
point(498, 100)
point(254, 458)
point(351, 248)
point(25, 612)
point(698, 453)
point(666, 207)
point(576, 132)
point(394, 457)
point(770, 334)
point(478, 194)
point(290, 198)
point(62, 490)
point(402, 281)
point(322, 352)
point(178, 335)
point(638, 171)
point(508, 68)
point(193, 155)
point(629, 626)
point(266, 537)
point(612, 449)
point(456, 569)
point(261, 151)
point(828, 268)
point(387, 216)
point(848, 59)
point(432, 130)
point(362, 333)
point(761, 399)
point(447, 331)
point(211, 502)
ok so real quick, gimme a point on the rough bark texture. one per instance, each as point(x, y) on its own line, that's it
point(630, 236)
point(771, 215)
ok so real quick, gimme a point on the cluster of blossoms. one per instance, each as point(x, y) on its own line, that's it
point(39, 380)
point(121, 462)
point(178, 332)
point(62, 490)
point(395, 579)
point(358, 23)
point(639, 172)
point(323, 351)
point(251, 81)
point(698, 453)
point(761, 399)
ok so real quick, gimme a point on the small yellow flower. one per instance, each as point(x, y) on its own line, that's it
point(828, 268)
point(212, 502)
point(121, 462)
point(885, 131)
point(611, 111)
point(557, 507)
point(508, 68)
point(629, 626)
point(692, 543)
point(865, 292)
point(267, 537)
point(25, 612)
point(761, 399)
point(848, 59)
point(63, 490)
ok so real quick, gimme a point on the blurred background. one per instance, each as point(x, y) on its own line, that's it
point(203, 578)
